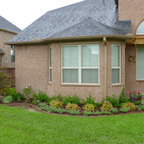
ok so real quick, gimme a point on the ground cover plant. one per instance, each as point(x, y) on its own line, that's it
point(22, 126)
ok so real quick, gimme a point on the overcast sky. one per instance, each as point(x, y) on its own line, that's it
point(23, 12)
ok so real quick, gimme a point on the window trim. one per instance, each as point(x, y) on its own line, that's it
point(136, 66)
point(113, 84)
point(50, 67)
point(139, 34)
point(79, 68)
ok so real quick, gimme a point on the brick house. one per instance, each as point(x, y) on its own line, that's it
point(91, 47)
point(7, 31)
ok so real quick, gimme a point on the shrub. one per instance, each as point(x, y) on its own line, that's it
point(72, 99)
point(44, 106)
point(107, 106)
point(41, 97)
point(87, 113)
point(17, 96)
point(141, 107)
point(123, 98)
point(59, 97)
point(7, 99)
point(89, 107)
point(114, 110)
point(90, 100)
point(5, 82)
point(98, 113)
point(56, 103)
point(129, 106)
point(71, 106)
point(137, 102)
point(124, 110)
point(58, 110)
point(113, 100)
point(74, 112)
point(27, 93)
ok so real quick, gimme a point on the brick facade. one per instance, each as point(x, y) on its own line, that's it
point(6, 58)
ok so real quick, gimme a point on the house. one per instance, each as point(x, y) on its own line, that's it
point(7, 31)
point(91, 47)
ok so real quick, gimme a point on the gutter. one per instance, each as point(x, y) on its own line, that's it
point(106, 66)
point(48, 40)
point(8, 31)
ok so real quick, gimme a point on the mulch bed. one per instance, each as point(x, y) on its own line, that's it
point(36, 108)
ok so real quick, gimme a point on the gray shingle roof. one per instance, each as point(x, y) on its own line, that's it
point(86, 18)
point(6, 25)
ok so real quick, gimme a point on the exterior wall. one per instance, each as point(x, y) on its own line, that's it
point(32, 69)
point(6, 58)
point(131, 82)
point(132, 10)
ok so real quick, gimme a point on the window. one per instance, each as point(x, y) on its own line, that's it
point(80, 64)
point(116, 63)
point(12, 54)
point(140, 62)
point(140, 29)
point(50, 64)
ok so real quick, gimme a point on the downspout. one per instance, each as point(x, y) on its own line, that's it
point(106, 66)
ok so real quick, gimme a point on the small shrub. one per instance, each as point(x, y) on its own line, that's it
point(89, 107)
point(114, 110)
point(72, 99)
point(129, 106)
point(59, 97)
point(113, 100)
point(91, 100)
point(74, 112)
point(137, 102)
point(41, 97)
point(87, 113)
point(27, 93)
point(7, 99)
point(123, 98)
point(124, 110)
point(56, 103)
point(107, 106)
point(71, 106)
point(98, 113)
point(44, 106)
point(141, 107)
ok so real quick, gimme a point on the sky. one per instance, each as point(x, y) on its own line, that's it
point(23, 12)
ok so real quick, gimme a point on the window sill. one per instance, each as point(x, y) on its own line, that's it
point(139, 80)
point(82, 85)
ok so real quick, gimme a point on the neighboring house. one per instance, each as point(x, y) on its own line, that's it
point(7, 31)
point(91, 47)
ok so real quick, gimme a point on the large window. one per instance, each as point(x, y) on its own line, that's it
point(50, 64)
point(140, 29)
point(80, 64)
point(140, 62)
point(116, 63)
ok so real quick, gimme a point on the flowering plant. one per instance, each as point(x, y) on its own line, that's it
point(135, 94)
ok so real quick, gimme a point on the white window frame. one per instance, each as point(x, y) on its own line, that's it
point(116, 67)
point(136, 66)
point(50, 65)
point(79, 68)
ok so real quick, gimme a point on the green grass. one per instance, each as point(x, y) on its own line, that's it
point(19, 126)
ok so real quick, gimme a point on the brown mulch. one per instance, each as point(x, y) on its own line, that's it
point(32, 107)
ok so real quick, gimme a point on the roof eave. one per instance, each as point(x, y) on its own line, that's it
point(38, 41)
point(8, 31)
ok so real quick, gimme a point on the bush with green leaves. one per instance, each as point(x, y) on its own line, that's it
point(124, 110)
point(141, 107)
point(7, 99)
point(98, 113)
point(129, 106)
point(44, 106)
point(74, 112)
point(89, 107)
point(87, 113)
point(59, 97)
point(113, 100)
point(28, 91)
point(41, 97)
point(114, 110)
point(74, 99)
point(5, 82)
point(71, 106)
point(123, 98)
point(17, 96)
point(90, 100)
point(107, 106)
point(56, 103)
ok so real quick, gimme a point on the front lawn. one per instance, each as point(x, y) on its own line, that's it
point(19, 126)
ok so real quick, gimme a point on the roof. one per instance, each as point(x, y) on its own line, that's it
point(8, 26)
point(86, 18)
